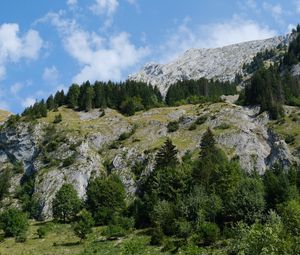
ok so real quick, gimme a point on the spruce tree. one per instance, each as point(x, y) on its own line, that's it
point(50, 103)
point(73, 95)
point(167, 155)
point(207, 144)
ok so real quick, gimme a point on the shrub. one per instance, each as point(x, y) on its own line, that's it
point(5, 177)
point(21, 237)
point(290, 139)
point(42, 231)
point(223, 126)
point(14, 223)
point(290, 213)
point(57, 119)
point(201, 120)
point(114, 231)
point(173, 126)
point(83, 225)
point(18, 167)
point(157, 237)
point(69, 161)
point(209, 232)
point(133, 247)
point(184, 229)
point(193, 126)
point(125, 222)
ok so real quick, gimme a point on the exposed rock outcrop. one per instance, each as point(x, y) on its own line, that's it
point(95, 146)
point(219, 63)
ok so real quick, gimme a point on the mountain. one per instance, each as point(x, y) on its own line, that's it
point(219, 63)
point(120, 156)
point(85, 144)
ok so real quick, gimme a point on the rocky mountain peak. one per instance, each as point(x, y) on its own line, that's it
point(217, 63)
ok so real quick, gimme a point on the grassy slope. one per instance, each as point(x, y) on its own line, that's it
point(289, 126)
point(61, 241)
point(146, 134)
point(3, 115)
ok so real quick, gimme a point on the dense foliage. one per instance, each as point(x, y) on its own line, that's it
point(105, 198)
point(126, 97)
point(129, 97)
point(271, 91)
point(66, 203)
point(198, 91)
point(14, 223)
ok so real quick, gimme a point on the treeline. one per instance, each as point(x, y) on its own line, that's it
point(258, 60)
point(292, 56)
point(127, 97)
point(271, 90)
point(198, 91)
point(275, 86)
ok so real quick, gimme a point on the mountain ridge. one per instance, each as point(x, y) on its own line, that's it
point(221, 63)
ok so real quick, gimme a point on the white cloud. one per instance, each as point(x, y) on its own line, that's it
point(100, 58)
point(275, 10)
point(106, 7)
point(51, 75)
point(71, 2)
point(28, 102)
point(16, 88)
point(213, 35)
point(13, 47)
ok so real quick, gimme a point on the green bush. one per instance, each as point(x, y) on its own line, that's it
point(114, 231)
point(201, 120)
point(173, 126)
point(83, 226)
point(157, 237)
point(69, 161)
point(18, 167)
point(209, 232)
point(42, 231)
point(5, 176)
point(290, 213)
point(21, 237)
point(133, 247)
point(57, 119)
point(290, 139)
point(193, 126)
point(14, 223)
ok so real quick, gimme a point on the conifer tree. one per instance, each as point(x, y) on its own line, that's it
point(207, 144)
point(73, 95)
point(50, 103)
point(167, 155)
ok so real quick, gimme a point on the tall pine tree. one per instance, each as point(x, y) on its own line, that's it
point(167, 155)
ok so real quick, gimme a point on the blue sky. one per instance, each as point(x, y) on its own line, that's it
point(47, 45)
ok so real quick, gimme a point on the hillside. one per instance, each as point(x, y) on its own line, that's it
point(219, 63)
point(117, 168)
point(94, 142)
point(3, 116)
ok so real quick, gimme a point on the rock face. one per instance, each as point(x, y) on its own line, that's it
point(219, 63)
point(95, 146)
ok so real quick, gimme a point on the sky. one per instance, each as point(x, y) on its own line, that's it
point(47, 45)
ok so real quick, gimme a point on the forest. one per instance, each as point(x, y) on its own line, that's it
point(186, 205)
